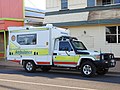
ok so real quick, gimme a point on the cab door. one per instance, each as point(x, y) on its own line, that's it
point(64, 55)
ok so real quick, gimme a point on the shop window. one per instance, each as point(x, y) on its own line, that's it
point(113, 34)
point(106, 2)
point(64, 4)
point(27, 39)
point(118, 34)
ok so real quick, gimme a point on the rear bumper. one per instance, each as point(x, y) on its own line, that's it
point(105, 63)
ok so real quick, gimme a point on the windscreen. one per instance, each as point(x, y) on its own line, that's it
point(78, 45)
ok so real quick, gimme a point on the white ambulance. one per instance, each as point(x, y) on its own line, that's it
point(49, 46)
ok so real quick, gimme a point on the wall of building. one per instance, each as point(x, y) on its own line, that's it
point(94, 38)
point(104, 14)
point(67, 17)
point(11, 9)
point(4, 24)
point(11, 14)
point(84, 14)
point(34, 16)
point(55, 5)
point(75, 4)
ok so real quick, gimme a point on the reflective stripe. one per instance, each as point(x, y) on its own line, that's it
point(38, 29)
point(64, 58)
point(12, 19)
point(76, 58)
point(67, 58)
point(43, 51)
point(28, 52)
point(43, 62)
point(65, 63)
point(18, 61)
point(13, 46)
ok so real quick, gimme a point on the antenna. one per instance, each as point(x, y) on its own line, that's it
point(100, 51)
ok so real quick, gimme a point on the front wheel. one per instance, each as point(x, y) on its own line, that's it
point(29, 66)
point(102, 71)
point(88, 69)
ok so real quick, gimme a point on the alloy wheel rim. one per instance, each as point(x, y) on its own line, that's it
point(29, 66)
point(87, 70)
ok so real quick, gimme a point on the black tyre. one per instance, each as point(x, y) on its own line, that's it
point(102, 71)
point(45, 69)
point(29, 66)
point(88, 69)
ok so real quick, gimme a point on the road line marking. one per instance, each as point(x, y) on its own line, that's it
point(42, 84)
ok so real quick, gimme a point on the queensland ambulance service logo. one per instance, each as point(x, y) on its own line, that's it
point(13, 38)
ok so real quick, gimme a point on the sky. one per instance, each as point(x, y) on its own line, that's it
point(40, 4)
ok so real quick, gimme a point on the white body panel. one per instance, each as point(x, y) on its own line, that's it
point(41, 51)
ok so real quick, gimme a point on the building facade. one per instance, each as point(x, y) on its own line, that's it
point(34, 16)
point(13, 13)
point(95, 22)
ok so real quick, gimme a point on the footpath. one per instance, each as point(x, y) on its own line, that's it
point(4, 64)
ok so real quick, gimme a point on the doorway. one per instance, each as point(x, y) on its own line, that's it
point(2, 44)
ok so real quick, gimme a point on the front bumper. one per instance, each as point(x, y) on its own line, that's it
point(105, 63)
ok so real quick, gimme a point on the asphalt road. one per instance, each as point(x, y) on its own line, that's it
point(15, 78)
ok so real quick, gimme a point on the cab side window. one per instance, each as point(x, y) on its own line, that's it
point(65, 46)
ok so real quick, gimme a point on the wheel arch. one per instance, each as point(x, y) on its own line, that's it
point(25, 60)
point(82, 60)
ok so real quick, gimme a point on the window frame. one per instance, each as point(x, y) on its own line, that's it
point(106, 3)
point(64, 50)
point(112, 2)
point(35, 35)
point(117, 35)
point(64, 2)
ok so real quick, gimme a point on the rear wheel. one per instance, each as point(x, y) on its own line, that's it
point(102, 71)
point(88, 69)
point(29, 66)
